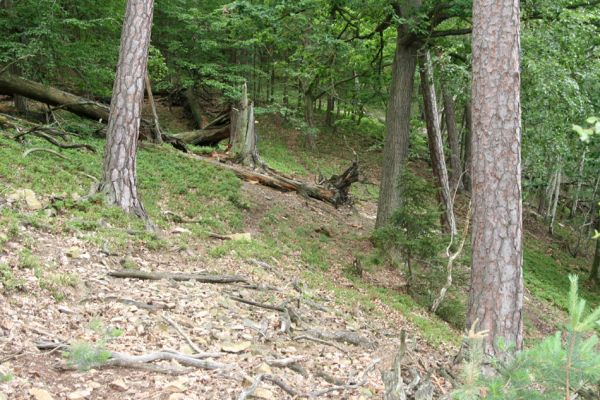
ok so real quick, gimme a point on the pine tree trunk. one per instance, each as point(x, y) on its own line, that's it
point(467, 158)
point(119, 181)
point(395, 151)
point(453, 142)
point(496, 294)
point(434, 140)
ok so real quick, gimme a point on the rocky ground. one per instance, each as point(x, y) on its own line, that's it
point(270, 335)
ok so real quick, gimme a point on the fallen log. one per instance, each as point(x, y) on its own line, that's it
point(204, 137)
point(11, 84)
point(204, 278)
point(329, 192)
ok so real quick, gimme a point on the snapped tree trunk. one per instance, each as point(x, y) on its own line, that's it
point(453, 141)
point(434, 139)
point(397, 124)
point(496, 293)
point(243, 136)
point(119, 180)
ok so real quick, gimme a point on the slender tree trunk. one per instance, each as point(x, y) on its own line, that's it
point(555, 198)
point(468, 148)
point(550, 189)
point(156, 133)
point(434, 139)
point(395, 151)
point(286, 99)
point(573, 212)
point(453, 141)
point(496, 294)
point(329, 110)
point(119, 181)
point(595, 273)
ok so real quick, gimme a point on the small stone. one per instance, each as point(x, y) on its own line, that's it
point(73, 252)
point(177, 386)
point(79, 394)
point(264, 368)
point(261, 393)
point(236, 347)
point(119, 385)
point(26, 195)
point(40, 394)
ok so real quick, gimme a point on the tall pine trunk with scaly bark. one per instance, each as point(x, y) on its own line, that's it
point(496, 294)
point(119, 181)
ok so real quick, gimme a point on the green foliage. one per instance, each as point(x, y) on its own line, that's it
point(8, 279)
point(6, 377)
point(556, 368)
point(412, 229)
point(85, 355)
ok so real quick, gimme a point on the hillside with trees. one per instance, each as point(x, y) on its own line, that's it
point(312, 199)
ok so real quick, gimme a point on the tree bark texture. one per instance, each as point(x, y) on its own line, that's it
point(243, 136)
point(119, 181)
point(434, 140)
point(496, 294)
point(467, 147)
point(453, 141)
point(395, 151)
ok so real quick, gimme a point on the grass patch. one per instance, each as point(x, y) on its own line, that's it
point(546, 270)
point(167, 181)
point(57, 284)
point(8, 279)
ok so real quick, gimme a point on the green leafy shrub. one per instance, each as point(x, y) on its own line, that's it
point(556, 368)
point(411, 233)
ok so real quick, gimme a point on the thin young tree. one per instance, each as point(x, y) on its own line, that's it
point(119, 181)
point(496, 294)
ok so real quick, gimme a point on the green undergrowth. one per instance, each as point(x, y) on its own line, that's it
point(434, 330)
point(546, 273)
point(172, 187)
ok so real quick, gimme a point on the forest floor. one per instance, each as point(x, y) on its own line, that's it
point(295, 254)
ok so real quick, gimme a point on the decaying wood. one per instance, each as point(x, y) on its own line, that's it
point(204, 137)
point(451, 258)
point(38, 131)
point(38, 149)
point(204, 278)
point(342, 337)
point(11, 84)
point(179, 330)
point(321, 341)
point(122, 359)
point(254, 303)
point(328, 193)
